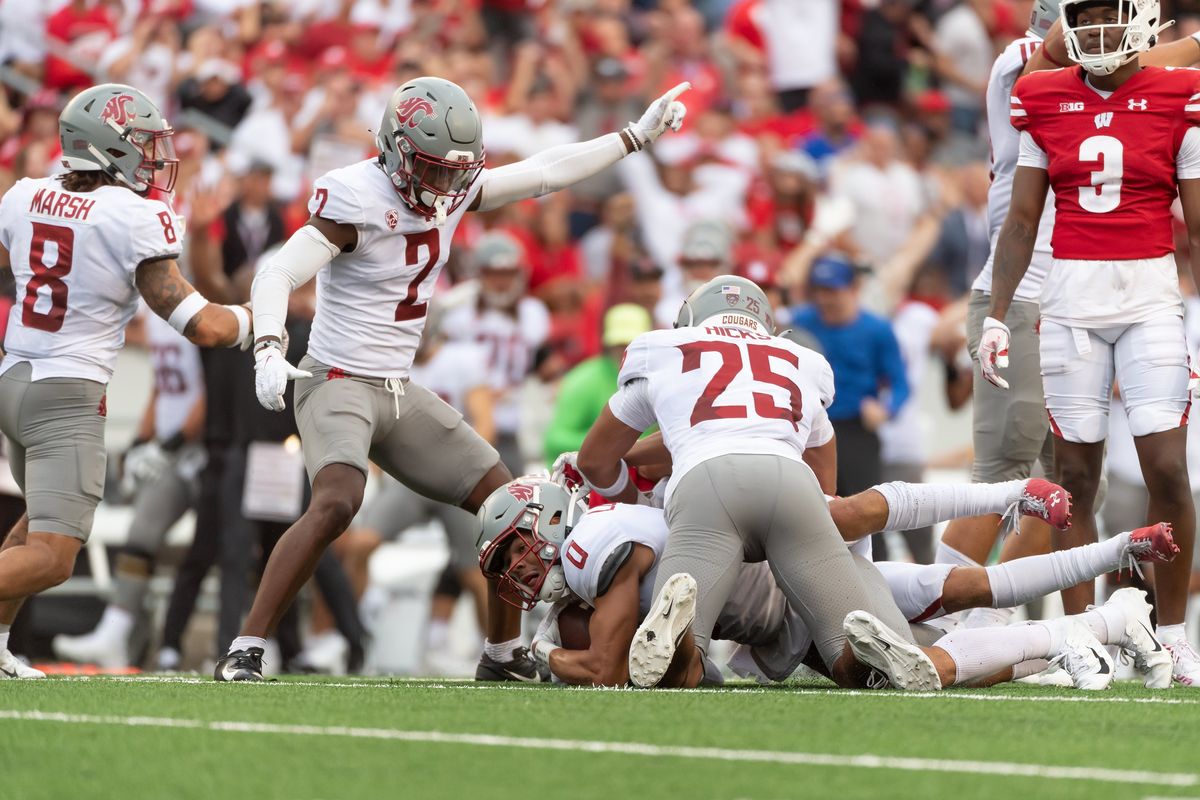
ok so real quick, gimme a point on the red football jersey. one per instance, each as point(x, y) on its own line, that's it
point(1111, 161)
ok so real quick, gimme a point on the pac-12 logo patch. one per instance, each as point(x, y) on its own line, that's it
point(392, 218)
point(119, 109)
point(414, 110)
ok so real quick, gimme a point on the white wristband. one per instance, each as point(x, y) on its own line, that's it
point(617, 487)
point(189, 307)
point(542, 650)
point(1195, 37)
point(243, 320)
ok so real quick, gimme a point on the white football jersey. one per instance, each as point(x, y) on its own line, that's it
point(1006, 145)
point(178, 376)
point(74, 258)
point(509, 342)
point(718, 389)
point(455, 369)
point(372, 301)
point(599, 533)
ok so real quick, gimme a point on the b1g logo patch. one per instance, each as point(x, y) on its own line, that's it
point(413, 111)
point(392, 218)
point(521, 491)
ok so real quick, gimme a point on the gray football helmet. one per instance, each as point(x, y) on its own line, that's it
point(431, 145)
point(1043, 16)
point(535, 516)
point(729, 295)
point(117, 130)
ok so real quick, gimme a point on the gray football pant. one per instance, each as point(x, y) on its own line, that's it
point(739, 508)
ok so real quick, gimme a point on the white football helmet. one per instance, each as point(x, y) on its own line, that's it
point(1043, 16)
point(1139, 24)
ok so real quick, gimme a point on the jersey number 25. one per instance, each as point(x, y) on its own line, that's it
point(759, 357)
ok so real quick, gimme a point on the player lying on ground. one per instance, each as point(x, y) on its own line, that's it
point(379, 234)
point(542, 546)
point(82, 247)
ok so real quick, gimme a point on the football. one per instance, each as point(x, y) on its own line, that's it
point(573, 627)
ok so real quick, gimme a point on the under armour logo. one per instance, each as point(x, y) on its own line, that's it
point(1138, 105)
point(1104, 120)
point(1054, 499)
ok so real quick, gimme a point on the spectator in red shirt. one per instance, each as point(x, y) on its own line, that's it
point(76, 36)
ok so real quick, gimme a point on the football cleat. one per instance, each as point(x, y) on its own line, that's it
point(98, 647)
point(1139, 643)
point(1053, 675)
point(1086, 660)
point(878, 646)
point(521, 668)
point(240, 665)
point(1185, 663)
point(1046, 501)
point(13, 667)
point(657, 638)
point(1152, 543)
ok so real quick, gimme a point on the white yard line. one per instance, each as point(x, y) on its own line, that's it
point(643, 749)
point(1174, 697)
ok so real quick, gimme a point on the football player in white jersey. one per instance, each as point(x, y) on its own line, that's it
point(378, 236)
point(82, 247)
point(737, 407)
point(537, 542)
point(162, 468)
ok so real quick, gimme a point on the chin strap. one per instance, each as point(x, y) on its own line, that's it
point(439, 209)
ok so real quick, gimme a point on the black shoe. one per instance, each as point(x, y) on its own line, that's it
point(240, 665)
point(522, 668)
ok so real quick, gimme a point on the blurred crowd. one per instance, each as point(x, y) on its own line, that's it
point(835, 152)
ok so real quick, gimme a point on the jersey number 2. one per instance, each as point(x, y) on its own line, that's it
point(1104, 193)
point(408, 308)
point(64, 243)
point(759, 356)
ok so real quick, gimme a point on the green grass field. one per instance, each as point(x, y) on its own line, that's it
point(185, 738)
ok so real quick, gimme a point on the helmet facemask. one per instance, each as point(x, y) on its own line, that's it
point(496, 562)
point(431, 186)
point(1137, 21)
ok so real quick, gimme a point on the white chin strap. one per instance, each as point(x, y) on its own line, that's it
point(439, 210)
point(554, 588)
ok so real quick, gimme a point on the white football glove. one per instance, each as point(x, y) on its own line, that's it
point(143, 463)
point(565, 472)
point(547, 639)
point(271, 374)
point(665, 112)
point(993, 351)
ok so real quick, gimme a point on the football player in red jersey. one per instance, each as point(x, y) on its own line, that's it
point(1116, 141)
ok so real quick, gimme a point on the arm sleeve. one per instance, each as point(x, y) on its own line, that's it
point(300, 258)
point(1187, 160)
point(1031, 155)
point(893, 368)
point(631, 405)
point(549, 171)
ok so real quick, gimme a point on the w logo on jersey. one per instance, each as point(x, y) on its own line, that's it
point(1138, 105)
point(521, 491)
point(1103, 120)
point(413, 111)
point(119, 109)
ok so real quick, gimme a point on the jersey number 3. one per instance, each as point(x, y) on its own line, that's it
point(408, 308)
point(52, 277)
point(759, 356)
point(1104, 193)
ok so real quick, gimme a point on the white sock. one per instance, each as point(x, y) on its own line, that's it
point(980, 652)
point(243, 642)
point(1031, 667)
point(4, 637)
point(116, 621)
point(501, 652)
point(438, 634)
point(989, 617)
point(1170, 633)
point(916, 505)
point(948, 555)
point(1107, 623)
point(1016, 582)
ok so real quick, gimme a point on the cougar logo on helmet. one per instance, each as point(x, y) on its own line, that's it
point(413, 111)
point(119, 109)
point(521, 491)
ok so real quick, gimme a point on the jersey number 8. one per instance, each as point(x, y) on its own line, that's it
point(64, 244)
